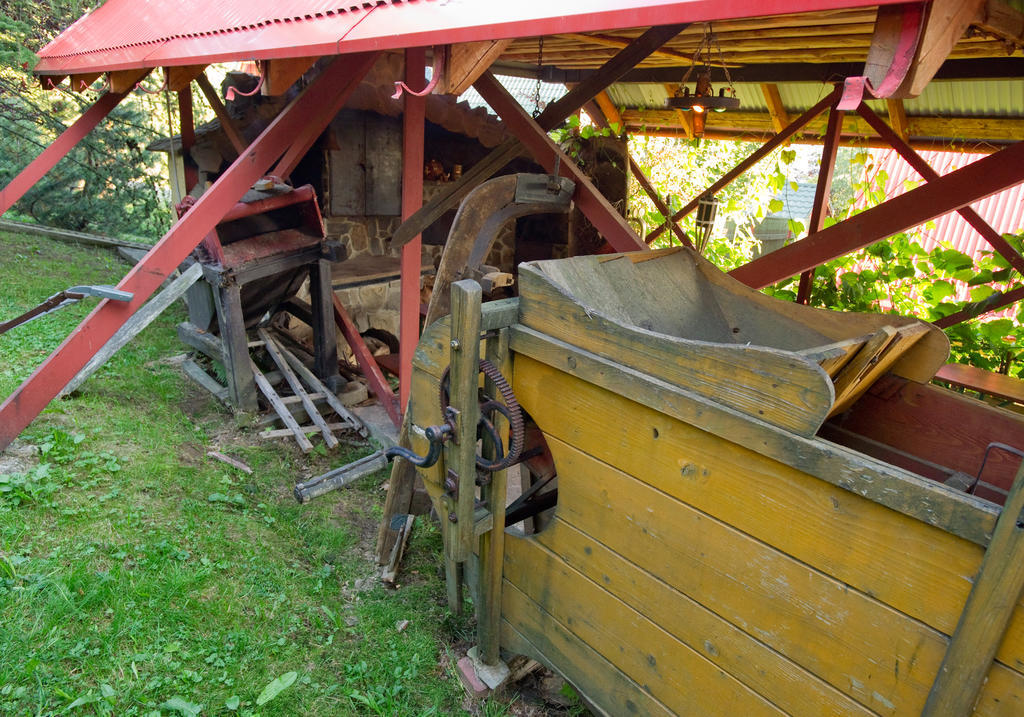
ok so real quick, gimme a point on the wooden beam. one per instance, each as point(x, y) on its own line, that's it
point(971, 311)
point(80, 83)
point(413, 128)
point(611, 112)
point(180, 76)
point(1003, 22)
point(945, 23)
point(620, 43)
point(957, 128)
point(226, 123)
point(279, 75)
point(466, 61)
point(777, 110)
point(124, 81)
point(898, 118)
point(135, 325)
point(969, 184)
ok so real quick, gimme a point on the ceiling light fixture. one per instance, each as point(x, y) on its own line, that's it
point(703, 97)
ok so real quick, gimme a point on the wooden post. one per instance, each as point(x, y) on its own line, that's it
point(465, 371)
point(995, 595)
point(492, 543)
point(226, 122)
point(325, 344)
point(413, 124)
point(237, 364)
point(822, 192)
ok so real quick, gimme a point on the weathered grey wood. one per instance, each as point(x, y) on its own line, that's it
point(70, 236)
point(195, 372)
point(797, 397)
point(339, 477)
point(313, 382)
point(275, 401)
point(297, 388)
point(552, 116)
point(134, 326)
point(994, 597)
point(465, 373)
point(389, 574)
point(309, 430)
point(325, 343)
point(237, 364)
point(969, 517)
point(492, 542)
point(206, 343)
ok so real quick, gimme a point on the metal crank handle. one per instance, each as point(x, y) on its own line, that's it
point(436, 435)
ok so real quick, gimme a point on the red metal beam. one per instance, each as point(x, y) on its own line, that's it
point(413, 123)
point(822, 191)
point(144, 278)
point(371, 371)
point(759, 154)
point(971, 311)
point(612, 226)
point(49, 157)
point(994, 238)
point(957, 189)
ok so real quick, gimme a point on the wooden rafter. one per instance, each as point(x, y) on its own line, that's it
point(992, 129)
point(898, 118)
point(226, 122)
point(776, 110)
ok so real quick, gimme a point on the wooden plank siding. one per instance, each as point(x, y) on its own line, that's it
point(785, 583)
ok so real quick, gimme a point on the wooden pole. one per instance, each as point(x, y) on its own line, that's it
point(822, 192)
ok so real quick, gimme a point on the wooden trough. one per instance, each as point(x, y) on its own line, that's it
point(762, 508)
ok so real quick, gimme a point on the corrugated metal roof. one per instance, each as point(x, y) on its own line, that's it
point(123, 34)
point(1003, 211)
point(523, 89)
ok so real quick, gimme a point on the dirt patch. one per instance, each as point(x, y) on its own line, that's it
point(19, 457)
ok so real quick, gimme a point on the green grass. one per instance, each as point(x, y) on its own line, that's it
point(140, 577)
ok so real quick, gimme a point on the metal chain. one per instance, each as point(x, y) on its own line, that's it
point(540, 68)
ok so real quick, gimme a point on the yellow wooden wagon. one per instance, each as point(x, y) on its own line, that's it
point(761, 508)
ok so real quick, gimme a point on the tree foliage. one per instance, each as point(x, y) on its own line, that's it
point(108, 183)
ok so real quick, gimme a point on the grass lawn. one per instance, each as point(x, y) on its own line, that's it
point(140, 577)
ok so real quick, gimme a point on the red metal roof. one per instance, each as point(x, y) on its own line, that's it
point(125, 34)
point(1003, 211)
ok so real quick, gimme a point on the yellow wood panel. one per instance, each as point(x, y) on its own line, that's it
point(551, 643)
point(533, 568)
point(864, 648)
point(775, 386)
point(920, 570)
point(666, 668)
point(932, 503)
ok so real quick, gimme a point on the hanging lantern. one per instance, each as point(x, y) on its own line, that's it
point(703, 96)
